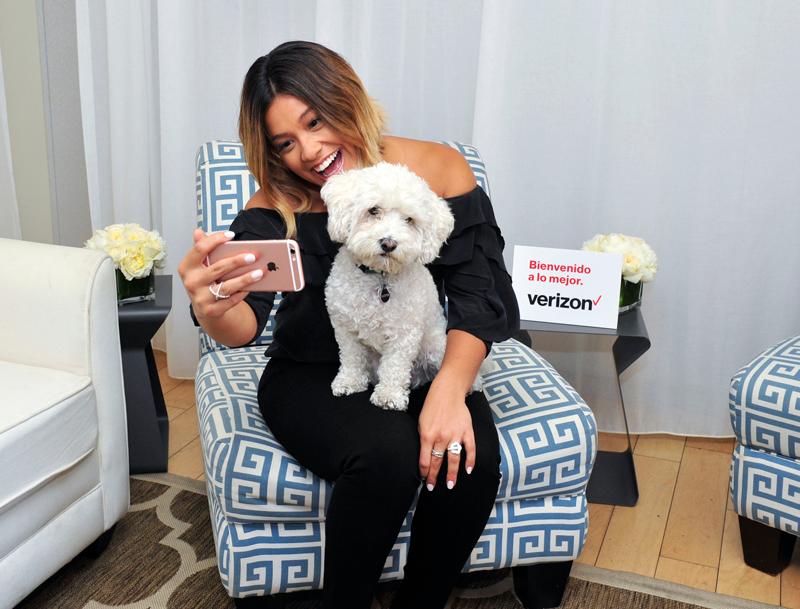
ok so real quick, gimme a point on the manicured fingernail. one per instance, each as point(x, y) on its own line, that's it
point(257, 274)
point(430, 487)
point(248, 258)
point(450, 484)
point(230, 234)
point(469, 469)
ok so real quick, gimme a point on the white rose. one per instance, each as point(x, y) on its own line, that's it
point(595, 244)
point(639, 262)
point(154, 248)
point(135, 251)
point(135, 266)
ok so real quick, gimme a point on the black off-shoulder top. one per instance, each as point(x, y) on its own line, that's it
point(469, 271)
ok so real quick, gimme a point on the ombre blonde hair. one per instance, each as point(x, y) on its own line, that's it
point(327, 84)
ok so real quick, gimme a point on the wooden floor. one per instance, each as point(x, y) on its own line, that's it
point(683, 528)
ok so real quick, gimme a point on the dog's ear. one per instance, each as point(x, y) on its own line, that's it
point(440, 225)
point(337, 192)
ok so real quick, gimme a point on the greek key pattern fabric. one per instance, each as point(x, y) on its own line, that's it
point(764, 488)
point(273, 557)
point(270, 558)
point(526, 531)
point(547, 433)
point(253, 478)
point(764, 400)
point(224, 184)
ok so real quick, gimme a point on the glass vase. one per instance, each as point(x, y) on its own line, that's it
point(630, 295)
point(135, 290)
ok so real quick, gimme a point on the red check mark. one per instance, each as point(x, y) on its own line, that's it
point(598, 300)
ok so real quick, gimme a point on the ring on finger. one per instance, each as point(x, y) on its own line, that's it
point(216, 290)
point(455, 448)
point(437, 453)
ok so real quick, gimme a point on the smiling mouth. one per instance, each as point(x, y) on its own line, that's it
point(331, 165)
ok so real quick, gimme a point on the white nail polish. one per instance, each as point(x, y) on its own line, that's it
point(469, 470)
point(430, 487)
point(230, 234)
point(450, 484)
point(257, 274)
point(248, 258)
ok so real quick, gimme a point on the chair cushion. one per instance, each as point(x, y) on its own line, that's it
point(764, 400)
point(764, 487)
point(547, 437)
point(48, 424)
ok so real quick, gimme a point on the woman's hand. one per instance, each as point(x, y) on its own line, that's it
point(198, 278)
point(444, 419)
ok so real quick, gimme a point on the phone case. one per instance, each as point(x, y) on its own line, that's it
point(279, 259)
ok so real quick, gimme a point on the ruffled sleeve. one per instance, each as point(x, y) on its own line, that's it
point(248, 225)
point(472, 274)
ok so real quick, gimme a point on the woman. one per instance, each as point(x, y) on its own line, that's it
point(305, 117)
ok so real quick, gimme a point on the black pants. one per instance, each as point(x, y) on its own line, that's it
point(372, 456)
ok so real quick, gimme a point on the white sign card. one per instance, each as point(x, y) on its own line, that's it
point(572, 287)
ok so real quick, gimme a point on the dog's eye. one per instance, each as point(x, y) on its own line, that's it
point(373, 211)
point(409, 220)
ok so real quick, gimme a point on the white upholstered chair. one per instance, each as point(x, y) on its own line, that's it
point(63, 440)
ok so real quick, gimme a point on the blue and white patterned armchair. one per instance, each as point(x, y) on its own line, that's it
point(765, 471)
point(268, 512)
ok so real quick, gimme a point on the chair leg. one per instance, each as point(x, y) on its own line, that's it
point(276, 601)
point(98, 546)
point(260, 602)
point(541, 586)
point(766, 549)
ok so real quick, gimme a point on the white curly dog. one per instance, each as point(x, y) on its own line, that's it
point(382, 301)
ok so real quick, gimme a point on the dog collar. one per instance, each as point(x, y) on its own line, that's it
point(383, 293)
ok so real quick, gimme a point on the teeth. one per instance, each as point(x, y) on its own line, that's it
point(324, 164)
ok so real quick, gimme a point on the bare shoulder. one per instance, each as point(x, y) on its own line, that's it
point(442, 167)
point(259, 199)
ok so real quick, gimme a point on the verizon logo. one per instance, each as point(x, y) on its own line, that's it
point(563, 302)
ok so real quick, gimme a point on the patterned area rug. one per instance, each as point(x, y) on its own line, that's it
point(162, 557)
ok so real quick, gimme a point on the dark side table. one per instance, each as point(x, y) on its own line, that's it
point(613, 479)
point(148, 424)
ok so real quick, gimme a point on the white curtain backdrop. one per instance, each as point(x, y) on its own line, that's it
point(675, 122)
point(9, 212)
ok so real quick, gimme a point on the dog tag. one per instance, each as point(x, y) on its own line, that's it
point(384, 294)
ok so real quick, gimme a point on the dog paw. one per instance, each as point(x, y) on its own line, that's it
point(389, 398)
point(346, 384)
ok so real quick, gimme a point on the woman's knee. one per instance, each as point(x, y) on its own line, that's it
point(487, 441)
point(387, 460)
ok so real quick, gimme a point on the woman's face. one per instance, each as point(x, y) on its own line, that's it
point(305, 143)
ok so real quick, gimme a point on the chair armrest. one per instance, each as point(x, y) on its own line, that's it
point(60, 308)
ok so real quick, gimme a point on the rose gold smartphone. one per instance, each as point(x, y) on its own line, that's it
point(279, 259)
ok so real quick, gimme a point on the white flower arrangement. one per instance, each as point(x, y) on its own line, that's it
point(135, 251)
point(639, 262)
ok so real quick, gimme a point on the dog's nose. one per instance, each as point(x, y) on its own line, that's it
point(388, 245)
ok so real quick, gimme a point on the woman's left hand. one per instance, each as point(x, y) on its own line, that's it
point(444, 419)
